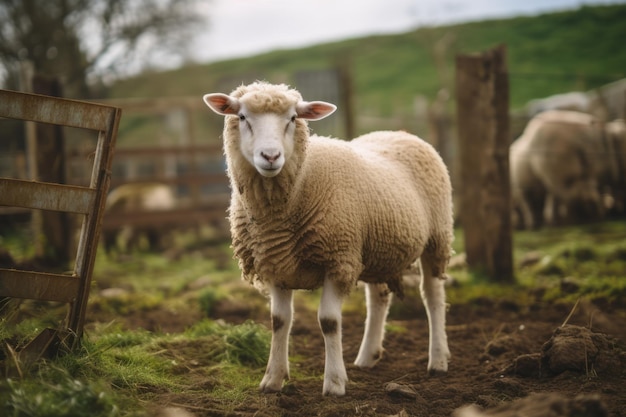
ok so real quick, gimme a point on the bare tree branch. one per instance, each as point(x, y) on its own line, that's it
point(87, 39)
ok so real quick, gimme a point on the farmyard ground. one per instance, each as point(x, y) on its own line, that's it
point(498, 356)
point(510, 353)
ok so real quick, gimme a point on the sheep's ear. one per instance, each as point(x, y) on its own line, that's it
point(222, 103)
point(314, 110)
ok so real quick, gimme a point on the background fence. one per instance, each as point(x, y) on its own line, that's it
point(177, 142)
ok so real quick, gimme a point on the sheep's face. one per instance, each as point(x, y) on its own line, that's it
point(266, 140)
point(267, 124)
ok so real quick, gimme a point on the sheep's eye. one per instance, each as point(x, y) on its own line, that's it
point(242, 117)
point(293, 119)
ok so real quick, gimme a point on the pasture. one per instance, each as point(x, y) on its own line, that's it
point(179, 330)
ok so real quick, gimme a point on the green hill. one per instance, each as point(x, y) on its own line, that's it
point(547, 54)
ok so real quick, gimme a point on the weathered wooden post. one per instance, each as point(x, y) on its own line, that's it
point(346, 95)
point(482, 92)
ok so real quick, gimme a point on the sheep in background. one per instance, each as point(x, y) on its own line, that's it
point(309, 212)
point(590, 102)
point(554, 169)
point(133, 198)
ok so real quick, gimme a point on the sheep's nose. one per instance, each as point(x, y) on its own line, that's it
point(270, 157)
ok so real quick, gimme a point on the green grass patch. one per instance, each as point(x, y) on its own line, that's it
point(119, 367)
point(68, 397)
point(571, 262)
point(246, 344)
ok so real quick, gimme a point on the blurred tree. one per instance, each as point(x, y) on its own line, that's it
point(89, 41)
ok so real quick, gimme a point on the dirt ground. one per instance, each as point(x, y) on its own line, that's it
point(507, 360)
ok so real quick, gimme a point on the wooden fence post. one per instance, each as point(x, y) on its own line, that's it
point(346, 96)
point(482, 92)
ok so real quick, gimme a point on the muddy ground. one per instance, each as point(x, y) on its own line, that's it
point(507, 360)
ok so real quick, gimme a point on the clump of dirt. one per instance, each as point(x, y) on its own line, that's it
point(571, 349)
point(578, 349)
point(507, 344)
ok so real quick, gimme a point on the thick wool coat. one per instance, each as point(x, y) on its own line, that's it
point(346, 211)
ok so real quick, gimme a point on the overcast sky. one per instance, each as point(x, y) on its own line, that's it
point(247, 27)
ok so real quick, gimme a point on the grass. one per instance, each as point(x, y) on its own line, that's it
point(68, 397)
point(571, 262)
point(121, 371)
point(115, 370)
point(245, 344)
point(102, 378)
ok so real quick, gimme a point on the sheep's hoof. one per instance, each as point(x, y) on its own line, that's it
point(269, 386)
point(334, 392)
point(437, 372)
point(369, 361)
point(335, 387)
point(267, 389)
point(365, 364)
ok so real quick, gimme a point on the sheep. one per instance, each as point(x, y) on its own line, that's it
point(614, 98)
point(136, 197)
point(309, 212)
point(585, 102)
point(553, 167)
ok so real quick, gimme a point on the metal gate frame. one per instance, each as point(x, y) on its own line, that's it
point(87, 201)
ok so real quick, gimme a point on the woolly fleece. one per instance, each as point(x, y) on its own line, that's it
point(554, 156)
point(347, 211)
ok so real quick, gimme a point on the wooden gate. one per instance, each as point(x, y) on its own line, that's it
point(73, 287)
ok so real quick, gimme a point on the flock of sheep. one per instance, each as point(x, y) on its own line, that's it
point(311, 212)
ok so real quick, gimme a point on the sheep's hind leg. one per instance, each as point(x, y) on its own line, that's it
point(434, 298)
point(329, 316)
point(378, 299)
point(278, 364)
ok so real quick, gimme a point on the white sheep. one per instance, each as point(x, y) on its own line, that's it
point(309, 212)
point(554, 167)
point(136, 197)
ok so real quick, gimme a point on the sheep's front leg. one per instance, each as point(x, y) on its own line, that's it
point(434, 298)
point(378, 298)
point(277, 371)
point(528, 217)
point(329, 316)
point(550, 209)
